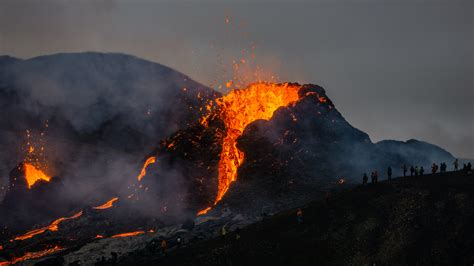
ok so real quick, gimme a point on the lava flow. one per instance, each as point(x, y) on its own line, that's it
point(150, 160)
point(128, 234)
point(33, 175)
point(51, 227)
point(238, 109)
point(106, 205)
point(33, 255)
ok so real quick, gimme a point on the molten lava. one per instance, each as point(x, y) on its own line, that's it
point(33, 255)
point(128, 234)
point(238, 109)
point(33, 175)
point(106, 205)
point(150, 160)
point(54, 226)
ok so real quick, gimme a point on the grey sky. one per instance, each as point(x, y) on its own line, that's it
point(395, 69)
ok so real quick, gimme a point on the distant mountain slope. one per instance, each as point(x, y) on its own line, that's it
point(101, 113)
point(6, 60)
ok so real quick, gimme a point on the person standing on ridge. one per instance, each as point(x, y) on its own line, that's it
point(417, 171)
point(412, 170)
point(164, 247)
point(365, 179)
point(405, 169)
point(389, 173)
point(299, 216)
point(456, 164)
point(434, 168)
point(421, 171)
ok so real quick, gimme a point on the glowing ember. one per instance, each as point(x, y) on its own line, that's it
point(54, 226)
point(106, 205)
point(99, 236)
point(150, 160)
point(238, 109)
point(33, 175)
point(128, 234)
point(33, 255)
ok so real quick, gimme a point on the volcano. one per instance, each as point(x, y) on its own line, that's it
point(133, 149)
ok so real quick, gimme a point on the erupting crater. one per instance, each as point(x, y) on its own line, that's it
point(238, 109)
point(33, 175)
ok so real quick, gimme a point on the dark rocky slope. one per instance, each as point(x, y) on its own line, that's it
point(407, 221)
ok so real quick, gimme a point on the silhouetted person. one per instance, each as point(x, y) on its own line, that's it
point(405, 169)
point(434, 168)
point(389, 173)
point(456, 164)
point(365, 179)
point(224, 230)
point(376, 176)
point(469, 167)
point(443, 167)
point(299, 216)
point(412, 170)
point(178, 241)
point(372, 178)
point(164, 246)
point(422, 171)
point(417, 171)
point(237, 234)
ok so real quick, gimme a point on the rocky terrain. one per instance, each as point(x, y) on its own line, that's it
point(406, 221)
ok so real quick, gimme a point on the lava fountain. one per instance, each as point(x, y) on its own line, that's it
point(33, 175)
point(238, 109)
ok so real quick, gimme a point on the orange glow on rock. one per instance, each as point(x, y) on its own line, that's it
point(33, 174)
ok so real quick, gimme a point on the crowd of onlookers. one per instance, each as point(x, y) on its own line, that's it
point(417, 171)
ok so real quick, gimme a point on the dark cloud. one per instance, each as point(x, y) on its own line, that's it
point(395, 69)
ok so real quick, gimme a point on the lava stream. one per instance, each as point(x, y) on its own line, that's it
point(33, 175)
point(106, 205)
point(238, 109)
point(150, 160)
point(33, 255)
point(54, 226)
point(128, 234)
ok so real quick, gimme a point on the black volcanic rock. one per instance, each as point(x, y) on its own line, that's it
point(305, 148)
point(415, 220)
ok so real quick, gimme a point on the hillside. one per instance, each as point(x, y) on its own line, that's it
point(413, 220)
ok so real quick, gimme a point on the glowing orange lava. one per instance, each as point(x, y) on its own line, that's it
point(238, 109)
point(106, 205)
point(33, 175)
point(150, 160)
point(54, 226)
point(33, 255)
point(128, 234)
